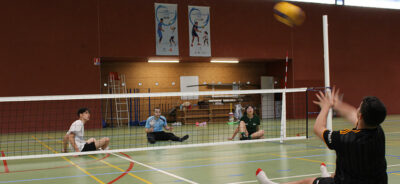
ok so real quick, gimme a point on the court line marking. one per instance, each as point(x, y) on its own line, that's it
point(156, 169)
point(69, 161)
point(298, 176)
point(304, 159)
point(225, 157)
point(130, 171)
point(166, 147)
point(124, 172)
point(58, 167)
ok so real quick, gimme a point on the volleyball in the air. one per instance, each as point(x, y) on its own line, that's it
point(289, 14)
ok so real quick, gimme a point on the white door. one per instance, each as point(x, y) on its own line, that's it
point(267, 100)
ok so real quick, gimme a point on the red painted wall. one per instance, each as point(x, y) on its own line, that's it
point(363, 52)
point(47, 47)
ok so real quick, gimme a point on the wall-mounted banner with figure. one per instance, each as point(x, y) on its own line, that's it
point(199, 31)
point(166, 16)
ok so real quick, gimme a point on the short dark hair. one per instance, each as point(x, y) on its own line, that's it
point(245, 110)
point(82, 110)
point(373, 111)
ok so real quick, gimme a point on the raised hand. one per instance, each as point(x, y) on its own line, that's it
point(324, 100)
point(336, 98)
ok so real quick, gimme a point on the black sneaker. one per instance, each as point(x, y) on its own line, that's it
point(184, 138)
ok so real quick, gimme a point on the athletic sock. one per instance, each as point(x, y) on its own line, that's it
point(262, 177)
point(324, 171)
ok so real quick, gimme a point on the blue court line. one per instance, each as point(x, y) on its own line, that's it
point(301, 145)
point(166, 169)
point(41, 179)
point(393, 156)
point(232, 175)
point(176, 168)
point(393, 172)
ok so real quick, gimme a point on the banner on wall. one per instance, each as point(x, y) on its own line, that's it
point(199, 31)
point(166, 16)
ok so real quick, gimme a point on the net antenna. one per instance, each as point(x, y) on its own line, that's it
point(283, 119)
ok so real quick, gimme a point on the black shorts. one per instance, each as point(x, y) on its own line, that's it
point(324, 180)
point(89, 147)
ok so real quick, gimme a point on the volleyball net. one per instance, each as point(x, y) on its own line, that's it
point(34, 126)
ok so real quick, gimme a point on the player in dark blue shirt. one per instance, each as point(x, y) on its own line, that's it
point(195, 29)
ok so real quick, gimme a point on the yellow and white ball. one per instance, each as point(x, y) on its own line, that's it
point(289, 14)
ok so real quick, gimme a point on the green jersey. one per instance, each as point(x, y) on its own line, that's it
point(251, 124)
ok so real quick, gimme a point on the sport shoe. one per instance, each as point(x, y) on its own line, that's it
point(184, 138)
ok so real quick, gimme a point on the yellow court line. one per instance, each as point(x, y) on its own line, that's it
point(226, 157)
point(68, 160)
point(116, 167)
point(110, 165)
point(212, 158)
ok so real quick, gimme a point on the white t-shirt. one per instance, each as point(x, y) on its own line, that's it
point(78, 129)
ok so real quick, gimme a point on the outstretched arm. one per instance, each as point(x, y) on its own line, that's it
point(168, 127)
point(71, 137)
point(344, 109)
point(234, 134)
point(65, 143)
point(320, 123)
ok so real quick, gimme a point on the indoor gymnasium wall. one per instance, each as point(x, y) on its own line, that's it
point(164, 74)
point(363, 52)
point(48, 46)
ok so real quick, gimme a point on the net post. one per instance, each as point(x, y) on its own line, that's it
point(283, 117)
point(326, 66)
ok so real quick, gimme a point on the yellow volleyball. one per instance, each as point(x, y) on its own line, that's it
point(289, 14)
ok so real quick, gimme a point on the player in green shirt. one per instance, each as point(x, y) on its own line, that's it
point(249, 126)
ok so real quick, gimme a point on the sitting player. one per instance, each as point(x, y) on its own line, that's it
point(249, 126)
point(76, 132)
point(154, 129)
point(360, 152)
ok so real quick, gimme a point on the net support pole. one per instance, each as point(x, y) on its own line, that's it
point(283, 115)
point(326, 66)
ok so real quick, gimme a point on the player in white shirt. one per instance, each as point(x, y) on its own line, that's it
point(75, 135)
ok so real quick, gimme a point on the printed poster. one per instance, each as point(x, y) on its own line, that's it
point(199, 31)
point(166, 16)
